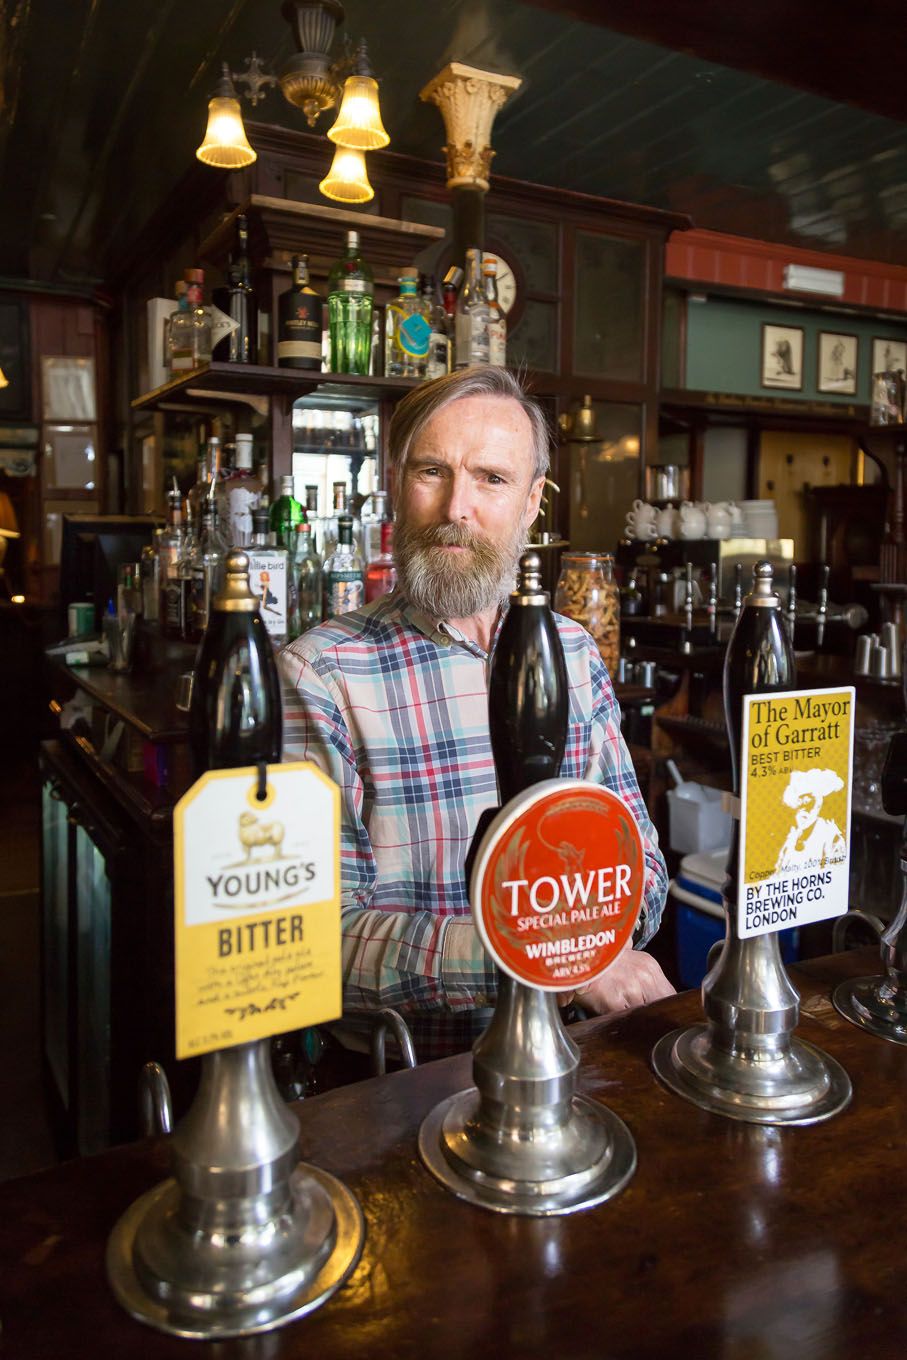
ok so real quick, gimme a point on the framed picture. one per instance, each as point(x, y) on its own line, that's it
point(889, 356)
point(837, 363)
point(782, 357)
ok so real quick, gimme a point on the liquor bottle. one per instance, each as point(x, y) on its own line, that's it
point(268, 577)
point(527, 692)
point(381, 574)
point(285, 514)
point(243, 308)
point(235, 715)
point(472, 316)
point(350, 298)
point(450, 294)
point(198, 493)
point(374, 513)
point(206, 571)
point(312, 516)
point(344, 588)
point(497, 321)
point(182, 310)
point(406, 331)
point(307, 568)
point(438, 362)
point(241, 490)
point(170, 550)
point(191, 328)
point(299, 321)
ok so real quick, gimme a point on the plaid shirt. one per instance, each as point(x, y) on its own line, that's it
point(394, 707)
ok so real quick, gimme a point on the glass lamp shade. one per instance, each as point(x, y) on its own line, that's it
point(359, 122)
point(225, 144)
point(4, 380)
point(347, 179)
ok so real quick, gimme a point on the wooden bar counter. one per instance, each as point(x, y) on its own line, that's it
point(731, 1240)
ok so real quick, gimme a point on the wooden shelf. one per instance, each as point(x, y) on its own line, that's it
point(222, 380)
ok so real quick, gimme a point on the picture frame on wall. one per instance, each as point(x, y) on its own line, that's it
point(782, 357)
point(889, 356)
point(837, 363)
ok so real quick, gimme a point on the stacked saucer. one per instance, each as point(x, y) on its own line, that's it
point(760, 519)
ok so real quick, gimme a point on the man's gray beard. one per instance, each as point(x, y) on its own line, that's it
point(458, 585)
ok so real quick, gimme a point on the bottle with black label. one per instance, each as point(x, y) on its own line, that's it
point(344, 585)
point(299, 321)
point(235, 714)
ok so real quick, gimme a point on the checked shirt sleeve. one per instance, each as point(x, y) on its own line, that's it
point(411, 960)
point(610, 764)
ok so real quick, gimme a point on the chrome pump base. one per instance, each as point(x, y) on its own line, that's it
point(245, 1237)
point(521, 1141)
point(745, 1062)
point(879, 1004)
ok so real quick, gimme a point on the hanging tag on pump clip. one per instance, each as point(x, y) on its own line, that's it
point(256, 905)
point(558, 884)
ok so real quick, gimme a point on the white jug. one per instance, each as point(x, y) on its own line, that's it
point(692, 520)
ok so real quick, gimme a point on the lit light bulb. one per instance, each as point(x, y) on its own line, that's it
point(347, 179)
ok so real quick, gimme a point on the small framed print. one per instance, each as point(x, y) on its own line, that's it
point(837, 363)
point(889, 356)
point(782, 357)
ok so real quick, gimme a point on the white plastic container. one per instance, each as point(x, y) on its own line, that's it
point(696, 818)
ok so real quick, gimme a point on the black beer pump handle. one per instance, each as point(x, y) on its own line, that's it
point(527, 696)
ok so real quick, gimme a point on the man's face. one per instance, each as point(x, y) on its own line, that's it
point(464, 501)
point(807, 810)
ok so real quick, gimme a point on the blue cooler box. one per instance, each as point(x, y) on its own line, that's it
point(699, 914)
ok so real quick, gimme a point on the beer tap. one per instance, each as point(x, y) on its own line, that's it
point(712, 608)
point(738, 589)
point(822, 608)
point(879, 1004)
point(792, 602)
point(688, 610)
point(520, 1141)
point(745, 1062)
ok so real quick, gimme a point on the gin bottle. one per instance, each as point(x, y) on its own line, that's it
point(351, 291)
point(285, 514)
point(344, 588)
point(307, 567)
point(268, 578)
point(170, 549)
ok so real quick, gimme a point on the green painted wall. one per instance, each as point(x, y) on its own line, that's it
point(724, 347)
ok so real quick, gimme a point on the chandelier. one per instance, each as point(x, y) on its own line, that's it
point(314, 82)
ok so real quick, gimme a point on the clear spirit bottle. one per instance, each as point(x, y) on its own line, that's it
point(170, 550)
point(268, 578)
point(307, 568)
point(472, 316)
point(206, 571)
point(406, 331)
point(190, 328)
point(344, 588)
point(438, 362)
point(497, 321)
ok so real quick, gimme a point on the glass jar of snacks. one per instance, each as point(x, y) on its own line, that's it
point(587, 593)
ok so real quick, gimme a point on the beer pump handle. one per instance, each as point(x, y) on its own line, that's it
point(527, 692)
point(738, 589)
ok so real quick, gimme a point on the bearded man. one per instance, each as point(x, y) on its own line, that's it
point(392, 702)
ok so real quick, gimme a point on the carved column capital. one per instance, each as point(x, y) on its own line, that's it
point(468, 99)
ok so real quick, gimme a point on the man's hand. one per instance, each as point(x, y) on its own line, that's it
point(634, 979)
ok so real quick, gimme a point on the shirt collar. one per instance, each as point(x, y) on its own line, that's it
point(443, 633)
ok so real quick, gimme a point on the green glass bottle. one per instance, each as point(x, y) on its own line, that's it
point(351, 290)
point(285, 514)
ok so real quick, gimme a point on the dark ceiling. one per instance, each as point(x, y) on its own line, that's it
point(102, 103)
